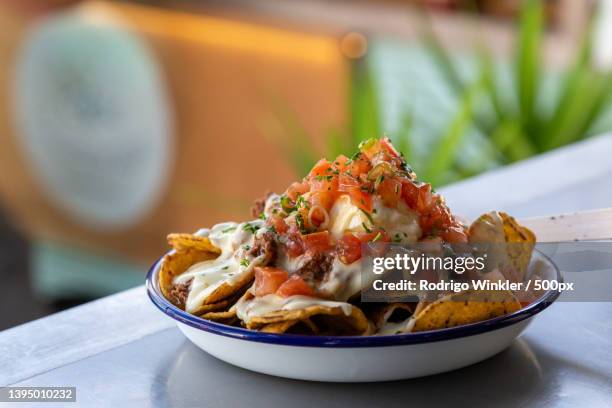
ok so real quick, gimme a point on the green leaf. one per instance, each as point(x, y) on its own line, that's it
point(441, 158)
point(571, 92)
point(589, 100)
point(528, 61)
point(443, 61)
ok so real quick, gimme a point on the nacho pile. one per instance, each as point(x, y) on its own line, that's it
point(296, 267)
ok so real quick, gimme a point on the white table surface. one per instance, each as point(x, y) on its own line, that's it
point(121, 351)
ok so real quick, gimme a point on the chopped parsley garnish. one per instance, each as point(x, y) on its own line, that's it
point(246, 247)
point(250, 228)
point(323, 177)
point(286, 203)
point(229, 229)
point(225, 268)
point(301, 202)
point(262, 216)
point(365, 227)
point(244, 262)
point(397, 238)
point(377, 237)
point(299, 220)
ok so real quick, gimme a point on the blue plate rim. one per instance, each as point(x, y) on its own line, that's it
point(181, 316)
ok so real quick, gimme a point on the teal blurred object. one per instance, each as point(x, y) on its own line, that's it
point(62, 272)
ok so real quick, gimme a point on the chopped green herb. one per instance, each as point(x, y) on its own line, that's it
point(286, 203)
point(397, 238)
point(365, 227)
point(244, 262)
point(323, 177)
point(225, 268)
point(377, 237)
point(250, 228)
point(301, 202)
point(246, 247)
point(229, 229)
point(299, 220)
point(262, 216)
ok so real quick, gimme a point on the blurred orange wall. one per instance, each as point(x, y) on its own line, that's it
point(223, 80)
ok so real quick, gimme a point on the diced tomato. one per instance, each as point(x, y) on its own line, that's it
point(361, 199)
point(295, 285)
point(317, 241)
point(349, 248)
point(278, 223)
point(325, 199)
point(316, 217)
point(351, 186)
point(385, 143)
point(417, 197)
point(324, 183)
point(454, 235)
point(390, 191)
point(441, 217)
point(322, 168)
point(297, 189)
point(359, 165)
point(268, 279)
point(377, 241)
point(340, 163)
point(347, 183)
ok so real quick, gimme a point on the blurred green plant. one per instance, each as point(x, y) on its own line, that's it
point(513, 128)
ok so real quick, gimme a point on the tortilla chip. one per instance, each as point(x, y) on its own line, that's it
point(305, 326)
point(328, 320)
point(212, 307)
point(511, 244)
point(177, 262)
point(225, 290)
point(391, 313)
point(183, 242)
point(221, 317)
point(465, 308)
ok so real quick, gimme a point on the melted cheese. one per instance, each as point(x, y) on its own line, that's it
point(259, 306)
point(401, 222)
point(345, 216)
point(234, 242)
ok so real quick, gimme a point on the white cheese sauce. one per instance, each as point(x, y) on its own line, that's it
point(234, 240)
point(259, 306)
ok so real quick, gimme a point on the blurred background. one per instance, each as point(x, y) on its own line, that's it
point(121, 121)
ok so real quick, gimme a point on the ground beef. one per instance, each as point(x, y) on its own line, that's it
point(315, 267)
point(265, 244)
point(179, 292)
point(259, 205)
